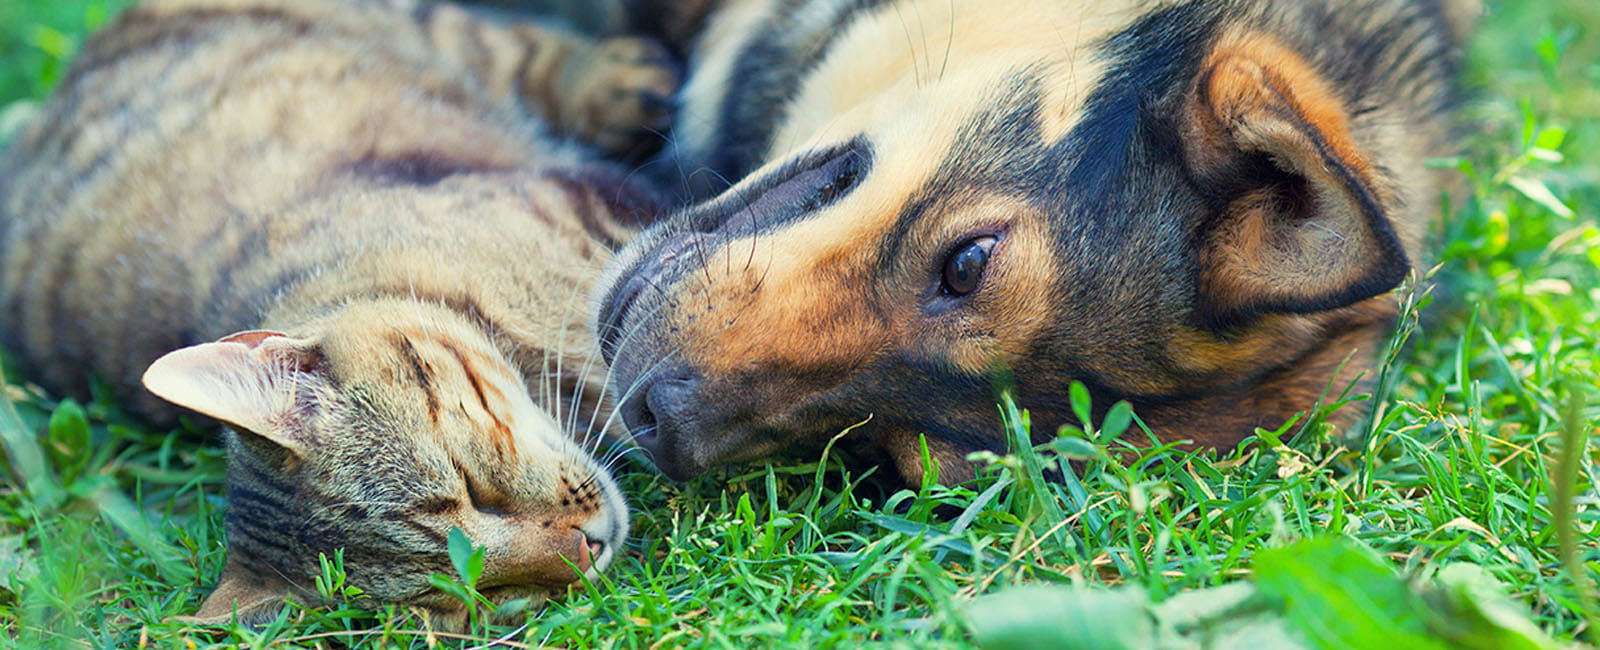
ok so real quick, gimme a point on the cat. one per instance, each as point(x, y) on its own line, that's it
point(352, 232)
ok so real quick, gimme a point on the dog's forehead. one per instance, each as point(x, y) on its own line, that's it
point(998, 105)
point(994, 153)
point(884, 62)
point(1000, 164)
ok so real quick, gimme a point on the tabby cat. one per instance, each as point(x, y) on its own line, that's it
point(389, 257)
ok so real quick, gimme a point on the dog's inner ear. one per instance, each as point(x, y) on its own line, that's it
point(1300, 224)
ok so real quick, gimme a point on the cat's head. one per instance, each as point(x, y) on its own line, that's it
point(386, 426)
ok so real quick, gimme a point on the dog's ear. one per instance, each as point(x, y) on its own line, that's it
point(1300, 225)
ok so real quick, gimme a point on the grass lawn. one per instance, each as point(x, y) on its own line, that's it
point(108, 529)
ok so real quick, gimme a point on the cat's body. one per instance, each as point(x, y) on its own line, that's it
point(363, 182)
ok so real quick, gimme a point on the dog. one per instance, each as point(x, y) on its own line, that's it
point(1199, 207)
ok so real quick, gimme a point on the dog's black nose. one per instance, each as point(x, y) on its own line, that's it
point(661, 415)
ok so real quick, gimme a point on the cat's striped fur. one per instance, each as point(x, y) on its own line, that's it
point(354, 199)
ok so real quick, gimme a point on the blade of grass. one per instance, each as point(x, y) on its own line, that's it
point(1574, 441)
point(28, 459)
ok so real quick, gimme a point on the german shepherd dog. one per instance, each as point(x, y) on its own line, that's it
point(1196, 206)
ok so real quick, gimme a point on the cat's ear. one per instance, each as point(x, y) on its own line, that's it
point(1301, 226)
point(256, 599)
point(263, 382)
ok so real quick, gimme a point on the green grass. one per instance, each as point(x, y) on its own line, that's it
point(108, 530)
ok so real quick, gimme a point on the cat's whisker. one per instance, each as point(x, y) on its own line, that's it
point(585, 368)
point(638, 383)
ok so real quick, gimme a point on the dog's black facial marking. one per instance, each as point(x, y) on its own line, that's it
point(1151, 59)
point(796, 190)
point(771, 67)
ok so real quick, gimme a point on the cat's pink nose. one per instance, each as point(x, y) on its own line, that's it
point(545, 557)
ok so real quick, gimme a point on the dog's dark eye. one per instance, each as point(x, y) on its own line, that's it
point(963, 270)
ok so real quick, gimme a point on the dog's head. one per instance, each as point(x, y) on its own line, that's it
point(1182, 215)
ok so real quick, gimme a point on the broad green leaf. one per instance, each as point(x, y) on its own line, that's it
point(1062, 618)
point(1540, 193)
point(449, 585)
point(1073, 447)
point(52, 42)
point(1475, 613)
point(1234, 615)
point(27, 458)
point(467, 560)
point(1117, 421)
point(69, 438)
point(511, 608)
point(1550, 138)
point(1343, 596)
point(1081, 406)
